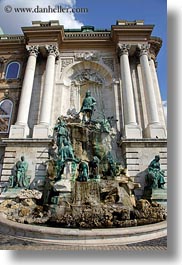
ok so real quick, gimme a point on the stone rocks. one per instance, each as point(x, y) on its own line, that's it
point(115, 191)
point(147, 212)
point(29, 194)
point(113, 215)
point(86, 193)
point(108, 203)
point(24, 208)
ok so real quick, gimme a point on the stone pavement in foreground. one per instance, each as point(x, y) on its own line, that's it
point(10, 243)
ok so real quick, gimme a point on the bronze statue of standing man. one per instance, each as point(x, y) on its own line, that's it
point(87, 107)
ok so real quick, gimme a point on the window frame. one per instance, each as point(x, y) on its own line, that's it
point(7, 68)
point(9, 116)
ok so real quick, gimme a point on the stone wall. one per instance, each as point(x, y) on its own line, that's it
point(139, 153)
point(35, 153)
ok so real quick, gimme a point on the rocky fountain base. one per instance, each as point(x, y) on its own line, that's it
point(92, 204)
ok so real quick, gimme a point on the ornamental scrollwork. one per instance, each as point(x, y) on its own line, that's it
point(123, 48)
point(32, 49)
point(143, 49)
point(52, 50)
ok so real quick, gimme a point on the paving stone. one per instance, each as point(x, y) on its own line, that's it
point(11, 243)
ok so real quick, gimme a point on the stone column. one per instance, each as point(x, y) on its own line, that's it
point(132, 130)
point(157, 91)
point(42, 129)
point(154, 128)
point(116, 99)
point(21, 129)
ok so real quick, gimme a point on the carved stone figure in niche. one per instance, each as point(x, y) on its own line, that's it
point(83, 172)
point(87, 107)
point(155, 176)
point(20, 178)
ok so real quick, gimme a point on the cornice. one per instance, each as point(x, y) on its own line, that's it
point(155, 45)
point(131, 32)
point(37, 34)
point(51, 34)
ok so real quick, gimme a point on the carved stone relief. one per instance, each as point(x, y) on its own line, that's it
point(86, 56)
point(65, 62)
point(87, 76)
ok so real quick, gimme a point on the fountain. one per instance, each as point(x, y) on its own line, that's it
point(85, 187)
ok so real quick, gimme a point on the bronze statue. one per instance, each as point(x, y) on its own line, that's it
point(83, 171)
point(20, 178)
point(62, 133)
point(66, 152)
point(87, 107)
point(155, 176)
point(94, 168)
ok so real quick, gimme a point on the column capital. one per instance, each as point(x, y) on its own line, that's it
point(143, 49)
point(33, 49)
point(123, 48)
point(52, 50)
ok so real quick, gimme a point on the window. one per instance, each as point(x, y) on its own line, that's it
point(6, 107)
point(12, 70)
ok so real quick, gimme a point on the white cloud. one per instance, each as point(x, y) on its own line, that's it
point(164, 103)
point(12, 22)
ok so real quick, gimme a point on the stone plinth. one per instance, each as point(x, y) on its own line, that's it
point(19, 131)
point(132, 131)
point(41, 131)
point(156, 131)
point(160, 196)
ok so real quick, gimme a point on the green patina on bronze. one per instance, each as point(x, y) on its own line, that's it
point(19, 178)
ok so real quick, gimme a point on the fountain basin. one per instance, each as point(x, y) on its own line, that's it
point(82, 237)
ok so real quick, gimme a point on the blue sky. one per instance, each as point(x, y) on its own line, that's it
point(101, 14)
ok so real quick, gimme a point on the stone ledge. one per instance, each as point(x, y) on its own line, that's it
point(143, 140)
point(82, 237)
point(26, 140)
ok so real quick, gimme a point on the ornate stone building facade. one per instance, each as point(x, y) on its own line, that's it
point(45, 72)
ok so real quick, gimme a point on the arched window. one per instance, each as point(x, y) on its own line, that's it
point(6, 107)
point(12, 70)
